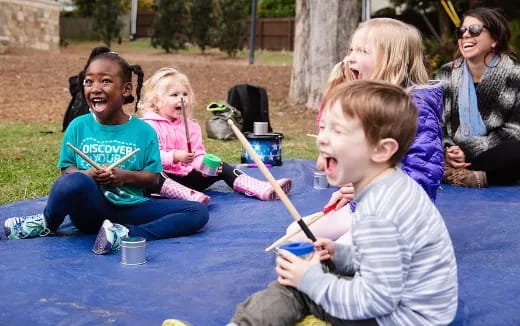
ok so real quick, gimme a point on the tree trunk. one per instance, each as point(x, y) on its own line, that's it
point(322, 34)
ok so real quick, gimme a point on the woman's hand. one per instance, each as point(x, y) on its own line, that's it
point(455, 157)
point(342, 196)
point(183, 156)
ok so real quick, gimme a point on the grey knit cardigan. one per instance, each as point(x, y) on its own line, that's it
point(498, 94)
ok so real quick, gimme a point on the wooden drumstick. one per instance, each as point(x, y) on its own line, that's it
point(124, 158)
point(281, 194)
point(188, 140)
point(310, 220)
point(95, 165)
point(85, 157)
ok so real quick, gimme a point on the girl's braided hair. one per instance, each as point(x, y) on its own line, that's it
point(126, 73)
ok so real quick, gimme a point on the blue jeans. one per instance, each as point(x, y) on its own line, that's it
point(77, 195)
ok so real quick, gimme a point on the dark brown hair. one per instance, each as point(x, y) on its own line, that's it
point(496, 23)
point(385, 111)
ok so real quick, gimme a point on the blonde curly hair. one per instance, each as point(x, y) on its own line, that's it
point(155, 87)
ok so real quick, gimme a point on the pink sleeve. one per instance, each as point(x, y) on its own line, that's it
point(333, 226)
point(196, 145)
point(166, 155)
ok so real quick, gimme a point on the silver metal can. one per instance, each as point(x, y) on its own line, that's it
point(260, 128)
point(320, 180)
point(133, 251)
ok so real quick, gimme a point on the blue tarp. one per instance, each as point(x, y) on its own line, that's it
point(59, 281)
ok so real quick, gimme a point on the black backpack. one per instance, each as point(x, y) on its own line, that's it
point(77, 105)
point(253, 104)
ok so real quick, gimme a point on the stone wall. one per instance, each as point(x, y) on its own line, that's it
point(31, 23)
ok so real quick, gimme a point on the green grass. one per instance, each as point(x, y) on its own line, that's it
point(28, 160)
point(30, 152)
point(264, 57)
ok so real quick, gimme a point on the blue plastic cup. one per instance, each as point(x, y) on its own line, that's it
point(301, 249)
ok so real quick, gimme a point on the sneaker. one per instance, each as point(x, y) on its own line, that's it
point(174, 322)
point(24, 227)
point(467, 178)
point(109, 237)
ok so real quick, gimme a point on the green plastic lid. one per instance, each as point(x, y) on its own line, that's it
point(212, 161)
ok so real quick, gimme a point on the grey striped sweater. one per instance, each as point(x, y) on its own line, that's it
point(406, 273)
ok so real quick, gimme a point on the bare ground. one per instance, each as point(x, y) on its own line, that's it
point(34, 84)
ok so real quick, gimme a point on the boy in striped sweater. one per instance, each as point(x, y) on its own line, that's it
point(402, 255)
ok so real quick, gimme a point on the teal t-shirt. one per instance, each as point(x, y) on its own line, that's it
point(106, 144)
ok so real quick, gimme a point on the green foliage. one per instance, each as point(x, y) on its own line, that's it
point(85, 8)
point(230, 32)
point(169, 29)
point(106, 20)
point(145, 5)
point(515, 34)
point(276, 8)
point(201, 23)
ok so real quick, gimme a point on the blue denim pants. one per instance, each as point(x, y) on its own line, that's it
point(77, 195)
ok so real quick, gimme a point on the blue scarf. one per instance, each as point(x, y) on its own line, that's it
point(471, 123)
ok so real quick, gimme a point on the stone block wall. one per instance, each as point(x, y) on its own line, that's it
point(31, 23)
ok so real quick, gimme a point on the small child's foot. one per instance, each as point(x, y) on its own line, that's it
point(24, 227)
point(174, 322)
point(109, 237)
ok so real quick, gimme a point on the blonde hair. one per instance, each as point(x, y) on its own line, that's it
point(154, 87)
point(399, 53)
point(384, 109)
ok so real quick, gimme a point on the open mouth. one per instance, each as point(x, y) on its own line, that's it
point(468, 45)
point(98, 103)
point(355, 73)
point(330, 165)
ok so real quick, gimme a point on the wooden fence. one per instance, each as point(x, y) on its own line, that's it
point(271, 33)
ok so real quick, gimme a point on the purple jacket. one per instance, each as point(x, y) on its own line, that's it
point(424, 161)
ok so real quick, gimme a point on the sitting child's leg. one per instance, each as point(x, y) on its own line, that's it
point(172, 189)
point(335, 225)
point(74, 194)
point(285, 305)
point(250, 186)
point(276, 305)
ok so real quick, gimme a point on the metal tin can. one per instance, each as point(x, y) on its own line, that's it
point(210, 164)
point(320, 180)
point(133, 251)
point(260, 128)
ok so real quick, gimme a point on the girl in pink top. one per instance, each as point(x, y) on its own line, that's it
point(182, 178)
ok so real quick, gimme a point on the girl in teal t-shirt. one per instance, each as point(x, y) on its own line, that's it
point(90, 195)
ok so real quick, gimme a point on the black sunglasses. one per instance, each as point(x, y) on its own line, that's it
point(474, 30)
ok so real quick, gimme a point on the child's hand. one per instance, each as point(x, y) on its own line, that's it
point(320, 163)
point(219, 170)
point(102, 176)
point(184, 157)
point(117, 177)
point(325, 249)
point(342, 196)
point(290, 268)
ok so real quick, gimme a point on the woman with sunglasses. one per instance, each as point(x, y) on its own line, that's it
point(481, 119)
